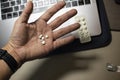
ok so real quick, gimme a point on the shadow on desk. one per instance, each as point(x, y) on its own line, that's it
point(57, 66)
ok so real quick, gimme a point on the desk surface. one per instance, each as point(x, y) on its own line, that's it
point(84, 65)
point(113, 12)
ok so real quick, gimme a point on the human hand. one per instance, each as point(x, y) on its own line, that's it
point(24, 43)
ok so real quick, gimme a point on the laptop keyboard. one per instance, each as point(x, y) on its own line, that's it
point(13, 8)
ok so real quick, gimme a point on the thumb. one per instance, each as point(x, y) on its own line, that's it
point(26, 12)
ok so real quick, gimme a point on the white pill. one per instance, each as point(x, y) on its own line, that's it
point(43, 42)
point(83, 23)
point(77, 19)
point(40, 36)
point(46, 36)
point(82, 18)
point(43, 38)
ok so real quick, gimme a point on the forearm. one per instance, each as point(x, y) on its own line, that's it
point(5, 71)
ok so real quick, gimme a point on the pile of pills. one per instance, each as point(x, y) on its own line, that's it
point(42, 39)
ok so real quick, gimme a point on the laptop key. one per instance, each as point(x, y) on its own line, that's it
point(9, 15)
point(6, 10)
point(80, 2)
point(35, 4)
point(40, 9)
point(22, 7)
point(24, 1)
point(74, 3)
point(53, 1)
point(68, 4)
point(15, 14)
point(45, 2)
point(12, 3)
point(4, 16)
point(20, 12)
point(18, 2)
point(4, 0)
point(40, 3)
point(87, 1)
point(16, 8)
point(4, 5)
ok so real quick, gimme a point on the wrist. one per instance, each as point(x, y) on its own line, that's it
point(13, 53)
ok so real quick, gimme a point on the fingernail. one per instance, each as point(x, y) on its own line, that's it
point(63, 1)
point(77, 24)
point(29, 0)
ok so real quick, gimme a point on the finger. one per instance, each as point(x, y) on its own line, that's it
point(63, 41)
point(65, 30)
point(50, 12)
point(61, 19)
point(26, 12)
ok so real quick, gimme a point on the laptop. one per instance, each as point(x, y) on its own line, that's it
point(10, 10)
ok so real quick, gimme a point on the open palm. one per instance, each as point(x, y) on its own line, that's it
point(25, 36)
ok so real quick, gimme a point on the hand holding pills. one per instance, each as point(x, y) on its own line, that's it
point(30, 41)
